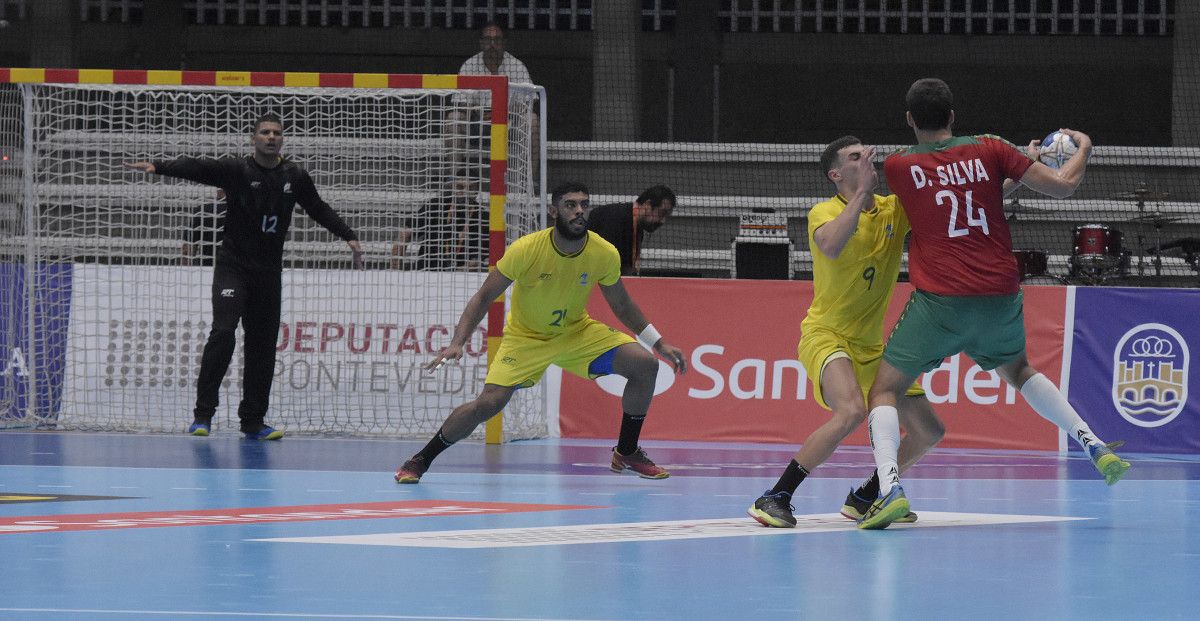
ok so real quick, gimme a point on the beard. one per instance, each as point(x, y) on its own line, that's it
point(650, 227)
point(564, 229)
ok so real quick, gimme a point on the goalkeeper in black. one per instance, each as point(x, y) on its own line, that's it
point(261, 190)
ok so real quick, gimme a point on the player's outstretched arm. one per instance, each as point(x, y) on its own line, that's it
point(146, 167)
point(493, 286)
point(1062, 182)
point(628, 312)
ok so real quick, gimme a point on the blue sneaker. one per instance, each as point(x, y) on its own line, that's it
point(200, 428)
point(885, 510)
point(265, 433)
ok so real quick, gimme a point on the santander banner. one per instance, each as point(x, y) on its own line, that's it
point(745, 384)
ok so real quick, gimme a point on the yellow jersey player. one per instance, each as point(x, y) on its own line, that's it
point(856, 238)
point(553, 271)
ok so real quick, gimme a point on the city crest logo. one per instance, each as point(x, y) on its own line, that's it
point(1150, 371)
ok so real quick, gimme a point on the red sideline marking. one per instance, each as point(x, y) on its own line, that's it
point(261, 515)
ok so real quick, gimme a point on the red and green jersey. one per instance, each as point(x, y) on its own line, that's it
point(953, 193)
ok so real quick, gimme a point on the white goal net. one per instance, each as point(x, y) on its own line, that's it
point(105, 273)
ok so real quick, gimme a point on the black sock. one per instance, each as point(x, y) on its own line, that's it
point(631, 429)
point(869, 490)
point(435, 447)
point(792, 477)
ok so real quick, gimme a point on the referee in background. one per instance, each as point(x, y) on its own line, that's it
point(261, 190)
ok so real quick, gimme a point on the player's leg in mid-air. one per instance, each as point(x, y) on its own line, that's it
point(1044, 397)
point(1001, 346)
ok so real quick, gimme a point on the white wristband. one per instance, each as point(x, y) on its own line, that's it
point(649, 336)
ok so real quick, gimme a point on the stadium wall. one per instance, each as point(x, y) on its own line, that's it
point(1094, 82)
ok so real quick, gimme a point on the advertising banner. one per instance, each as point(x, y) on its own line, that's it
point(1131, 373)
point(746, 384)
point(349, 350)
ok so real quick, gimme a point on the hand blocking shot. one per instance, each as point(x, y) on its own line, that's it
point(552, 273)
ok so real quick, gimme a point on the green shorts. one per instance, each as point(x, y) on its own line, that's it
point(990, 329)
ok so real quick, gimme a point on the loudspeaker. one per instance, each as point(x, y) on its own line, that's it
point(762, 261)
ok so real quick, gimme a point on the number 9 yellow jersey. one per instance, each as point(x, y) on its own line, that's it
point(851, 293)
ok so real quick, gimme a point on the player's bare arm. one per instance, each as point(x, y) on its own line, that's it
point(493, 286)
point(628, 313)
point(860, 176)
point(146, 167)
point(1062, 182)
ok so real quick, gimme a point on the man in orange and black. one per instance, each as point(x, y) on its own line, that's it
point(625, 225)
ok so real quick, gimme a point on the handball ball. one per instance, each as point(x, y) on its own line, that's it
point(1056, 149)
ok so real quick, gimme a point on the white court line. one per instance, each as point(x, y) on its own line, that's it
point(276, 615)
point(651, 531)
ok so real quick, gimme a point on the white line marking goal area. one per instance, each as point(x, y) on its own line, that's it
point(652, 531)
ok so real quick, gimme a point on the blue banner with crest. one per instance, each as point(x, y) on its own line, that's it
point(1132, 377)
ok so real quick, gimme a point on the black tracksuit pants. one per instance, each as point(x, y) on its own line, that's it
point(252, 297)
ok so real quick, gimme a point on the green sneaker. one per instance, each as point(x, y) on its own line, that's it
point(1107, 462)
point(885, 510)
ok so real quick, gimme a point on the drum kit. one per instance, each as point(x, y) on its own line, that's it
point(1098, 254)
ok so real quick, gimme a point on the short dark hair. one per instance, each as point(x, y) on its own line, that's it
point(269, 117)
point(830, 155)
point(930, 102)
point(566, 188)
point(655, 195)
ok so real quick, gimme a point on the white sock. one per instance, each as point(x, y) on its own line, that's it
point(884, 425)
point(1044, 397)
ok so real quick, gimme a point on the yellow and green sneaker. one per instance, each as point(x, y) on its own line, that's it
point(885, 510)
point(1107, 462)
point(855, 506)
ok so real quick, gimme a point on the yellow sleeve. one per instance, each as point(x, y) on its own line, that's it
point(612, 267)
point(818, 215)
point(514, 262)
point(902, 225)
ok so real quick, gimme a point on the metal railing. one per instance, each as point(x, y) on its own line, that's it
point(657, 15)
point(1076, 17)
point(463, 14)
point(122, 11)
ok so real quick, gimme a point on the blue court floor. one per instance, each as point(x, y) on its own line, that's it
point(112, 526)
